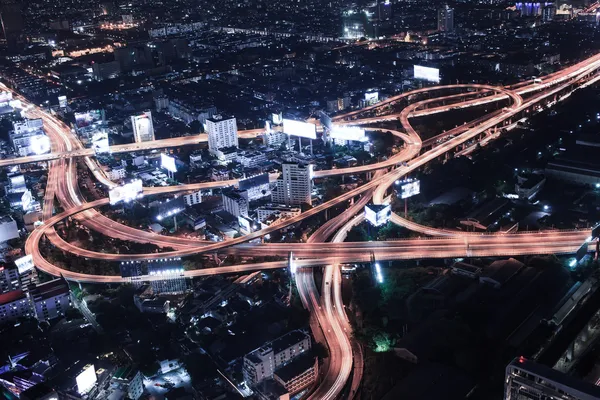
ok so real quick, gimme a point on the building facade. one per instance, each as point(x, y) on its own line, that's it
point(222, 132)
point(295, 186)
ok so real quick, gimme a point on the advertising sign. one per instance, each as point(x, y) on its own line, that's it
point(24, 264)
point(126, 193)
point(62, 101)
point(276, 118)
point(40, 144)
point(409, 188)
point(299, 128)
point(372, 97)
point(88, 118)
point(100, 143)
point(378, 215)
point(26, 200)
point(168, 163)
point(427, 73)
point(86, 380)
point(348, 133)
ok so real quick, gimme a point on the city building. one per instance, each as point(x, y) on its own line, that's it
point(445, 18)
point(51, 299)
point(28, 138)
point(295, 185)
point(527, 379)
point(9, 279)
point(191, 199)
point(280, 211)
point(117, 173)
point(257, 186)
point(235, 202)
point(299, 374)
point(528, 186)
point(106, 70)
point(134, 57)
point(222, 132)
point(260, 364)
point(14, 305)
point(274, 138)
point(251, 159)
point(143, 129)
point(8, 229)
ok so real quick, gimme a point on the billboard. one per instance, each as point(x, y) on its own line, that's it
point(39, 144)
point(168, 163)
point(276, 118)
point(372, 97)
point(17, 181)
point(299, 128)
point(86, 380)
point(100, 143)
point(24, 264)
point(170, 208)
point(325, 120)
point(62, 101)
point(581, 252)
point(5, 97)
point(126, 193)
point(348, 133)
point(378, 214)
point(409, 188)
point(26, 200)
point(427, 73)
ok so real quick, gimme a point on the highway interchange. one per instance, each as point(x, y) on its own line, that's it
point(327, 308)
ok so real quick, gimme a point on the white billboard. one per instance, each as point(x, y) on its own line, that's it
point(39, 144)
point(5, 97)
point(17, 181)
point(86, 380)
point(26, 200)
point(100, 143)
point(378, 215)
point(168, 163)
point(409, 188)
point(276, 118)
point(348, 133)
point(299, 128)
point(24, 264)
point(372, 97)
point(126, 193)
point(62, 101)
point(427, 73)
point(143, 129)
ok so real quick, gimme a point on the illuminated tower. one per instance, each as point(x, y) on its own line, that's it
point(446, 19)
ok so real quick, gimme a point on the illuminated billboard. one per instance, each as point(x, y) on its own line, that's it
point(24, 264)
point(299, 128)
point(348, 133)
point(409, 188)
point(5, 97)
point(86, 380)
point(62, 101)
point(126, 193)
point(427, 73)
point(100, 143)
point(276, 118)
point(26, 200)
point(39, 144)
point(168, 163)
point(378, 214)
point(372, 97)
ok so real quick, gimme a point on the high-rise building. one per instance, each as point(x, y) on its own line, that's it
point(9, 279)
point(527, 379)
point(446, 19)
point(294, 186)
point(222, 133)
point(261, 363)
point(235, 202)
point(143, 129)
point(14, 305)
point(384, 10)
point(11, 16)
point(51, 299)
